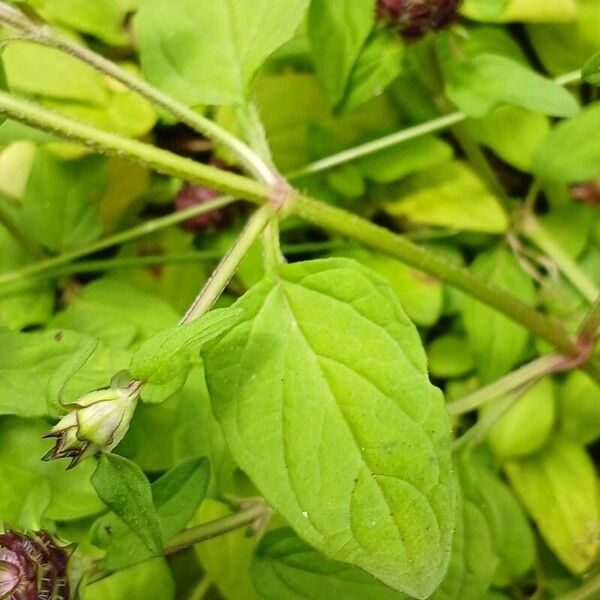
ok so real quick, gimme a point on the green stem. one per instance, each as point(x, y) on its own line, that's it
point(534, 231)
point(344, 223)
point(410, 133)
point(225, 270)
point(316, 212)
point(146, 228)
point(45, 36)
point(206, 531)
point(529, 373)
point(201, 589)
point(149, 156)
point(590, 590)
point(590, 328)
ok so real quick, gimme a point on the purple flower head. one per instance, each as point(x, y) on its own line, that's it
point(414, 18)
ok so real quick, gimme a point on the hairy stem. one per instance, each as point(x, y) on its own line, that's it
point(45, 36)
point(227, 267)
point(206, 531)
point(531, 372)
point(314, 211)
point(146, 228)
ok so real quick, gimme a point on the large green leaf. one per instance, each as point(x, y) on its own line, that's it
point(449, 195)
point(323, 396)
point(207, 51)
point(497, 342)
point(286, 568)
point(478, 85)
point(570, 153)
point(60, 207)
point(558, 487)
point(338, 31)
point(535, 11)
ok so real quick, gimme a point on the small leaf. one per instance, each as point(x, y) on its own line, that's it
point(579, 408)
point(481, 83)
point(176, 496)
point(124, 488)
point(163, 362)
point(207, 52)
point(497, 342)
point(450, 356)
point(571, 153)
point(559, 489)
point(323, 395)
point(338, 31)
point(527, 424)
point(591, 70)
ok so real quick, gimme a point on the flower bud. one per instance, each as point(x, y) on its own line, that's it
point(98, 422)
point(414, 18)
point(32, 567)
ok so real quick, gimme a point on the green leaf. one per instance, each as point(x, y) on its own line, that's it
point(176, 496)
point(123, 487)
point(497, 342)
point(579, 408)
point(527, 424)
point(207, 52)
point(591, 70)
point(450, 356)
point(392, 164)
point(60, 204)
point(72, 496)
point(151, 580)
point(535, 11)
point(378, 65)
point(338, 31)
point(481, 83)
point(316, 364)
point(449, 195)
point(226, 559)
point(496, 131)
point(29, 361)
point(162, 363)
point(421, 295)
point(570, 154)
point(286, 568)
point(559, 489)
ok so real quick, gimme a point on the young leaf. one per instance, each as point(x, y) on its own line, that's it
point(176, 496)
point(207, 51)
point(323, 396)
point(479, 84)
point(591, 70)
point(527, 424)
point(286, 568)
point(449, 195)
point(124, 488)
point(338, 31)
point(570, 153)
point(559, 489)
point(450, 356)
point(60, 204)
point(579, 408)
point(497, 342)
point(162, 363)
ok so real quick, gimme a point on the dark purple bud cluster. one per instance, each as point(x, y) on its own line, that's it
point(414, 18)
point(193, 195)
point(32, 567)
